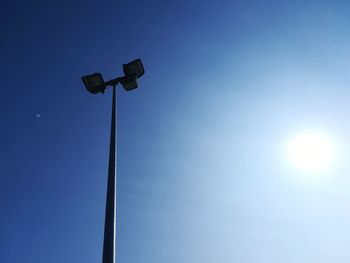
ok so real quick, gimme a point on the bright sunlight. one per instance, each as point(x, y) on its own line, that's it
point(311, 151)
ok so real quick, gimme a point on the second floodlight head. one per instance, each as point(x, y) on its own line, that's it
point(134, 68)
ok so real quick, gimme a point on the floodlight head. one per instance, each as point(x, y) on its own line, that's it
point(134, 68)
point(128, 82)
point(94, 83)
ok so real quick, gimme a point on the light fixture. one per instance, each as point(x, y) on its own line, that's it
point(133, 70)
point(94, 83)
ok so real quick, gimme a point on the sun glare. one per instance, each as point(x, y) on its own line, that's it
point(311, 151)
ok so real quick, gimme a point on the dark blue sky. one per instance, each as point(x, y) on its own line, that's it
point(202, 175)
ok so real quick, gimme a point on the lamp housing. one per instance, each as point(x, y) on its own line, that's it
point(128, 82)
point(134, 68)
point(94, 83)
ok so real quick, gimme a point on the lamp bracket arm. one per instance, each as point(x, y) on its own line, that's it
point(112, 82)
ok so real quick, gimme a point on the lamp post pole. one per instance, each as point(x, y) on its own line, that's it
point(94, 83)
point(110, 216)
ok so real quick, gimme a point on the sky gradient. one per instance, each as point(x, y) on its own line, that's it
point(202, 171)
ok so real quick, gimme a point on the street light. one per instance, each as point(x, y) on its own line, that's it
point(94, 84)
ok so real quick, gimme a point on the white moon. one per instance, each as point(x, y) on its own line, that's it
point(311, 151)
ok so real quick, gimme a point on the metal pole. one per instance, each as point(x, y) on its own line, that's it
point(110, 216)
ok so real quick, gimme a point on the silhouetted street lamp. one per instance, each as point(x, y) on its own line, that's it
point(94, 84)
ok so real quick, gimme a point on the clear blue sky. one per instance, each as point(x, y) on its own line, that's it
point(201, 171)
